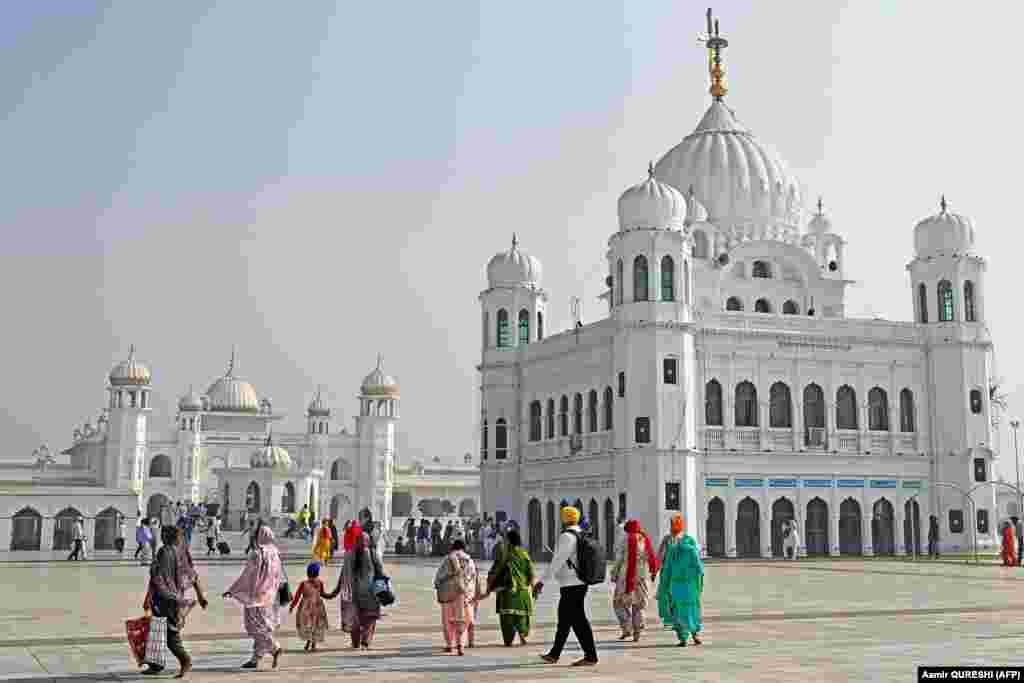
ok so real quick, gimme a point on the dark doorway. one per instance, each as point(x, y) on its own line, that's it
point(850, 528)
point(816, 536)
point(912, 527)
point(536, 527)
point(609, 524)
point(883, 533)
point(65, 523)
point(106, 529)
point(748, 529)
point(716, 528)
point(782, 512)
point(27, 530)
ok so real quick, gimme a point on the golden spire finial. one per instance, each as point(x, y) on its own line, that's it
point(650, 169)
point(715, 44)
point(942, 203)
point(231, 363)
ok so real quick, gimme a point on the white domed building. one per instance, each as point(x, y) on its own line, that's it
point(726, 381)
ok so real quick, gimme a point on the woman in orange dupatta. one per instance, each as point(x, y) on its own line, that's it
point(635, 562)
point(1009, 545)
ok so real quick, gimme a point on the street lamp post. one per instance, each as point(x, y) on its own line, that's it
point(1015, 425)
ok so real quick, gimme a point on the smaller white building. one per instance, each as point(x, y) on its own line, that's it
point(435, 491)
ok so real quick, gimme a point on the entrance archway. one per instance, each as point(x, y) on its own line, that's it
point(106, 529)
point(782, 512)
point(912, 527)
point(536, 526)
point(594, 516)
point(65, 524)
point(883, 536)
point(715, 532)
point(27, 530)
point(158, 502)
point(850, 528)
point(609, 524)
point(748, 529)
point(816, 532)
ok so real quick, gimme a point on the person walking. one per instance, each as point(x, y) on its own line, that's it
point(119, 540)
point(311, 619)
point(250, 534)
point(256, 590)
point(212, 535)
point(423, 539)
point(1009, 544)
point(143, 536)
point(303, 518)
point(572, 612)
point(77, 541)
point(335, 538)
point(154, 533)
point(322, 548)
point(681, 584)
point(511, 577)
point(933, 536)
point(358, 570)
point(167, 597)
point(635, 561)
point(456, 584)
point(790, 540)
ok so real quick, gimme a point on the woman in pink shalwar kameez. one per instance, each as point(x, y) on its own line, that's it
point(256, 589)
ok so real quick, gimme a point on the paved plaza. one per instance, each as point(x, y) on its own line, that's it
point(765, 621)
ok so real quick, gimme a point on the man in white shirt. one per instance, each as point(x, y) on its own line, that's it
point(572, 612)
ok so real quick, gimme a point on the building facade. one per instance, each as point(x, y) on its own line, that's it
point(726, 381)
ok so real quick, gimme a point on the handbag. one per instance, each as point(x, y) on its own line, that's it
point(156, 642)
point(138, 633)
point(451, 589)
point(382, 590)
point(284, 591)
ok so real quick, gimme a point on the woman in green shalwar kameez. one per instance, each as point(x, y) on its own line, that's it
point(681, 584)
point(511, 577)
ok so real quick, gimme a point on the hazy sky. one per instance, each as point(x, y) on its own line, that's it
point(319, 182)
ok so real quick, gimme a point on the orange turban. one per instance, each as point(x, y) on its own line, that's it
point(677, 525)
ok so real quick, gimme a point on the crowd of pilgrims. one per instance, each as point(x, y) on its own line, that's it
point(674, 574)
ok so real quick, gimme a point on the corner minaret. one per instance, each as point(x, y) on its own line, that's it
point(190, 444)
point(947, 286)
point(375, 425)
point(128, 388)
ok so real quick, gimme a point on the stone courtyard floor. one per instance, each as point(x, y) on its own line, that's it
point(848, 620)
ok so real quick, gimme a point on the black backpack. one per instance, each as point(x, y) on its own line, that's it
point(591, 565)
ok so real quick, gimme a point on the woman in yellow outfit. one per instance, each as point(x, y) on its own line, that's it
point(322, 549)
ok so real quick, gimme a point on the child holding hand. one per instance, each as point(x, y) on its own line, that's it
point(311, 619)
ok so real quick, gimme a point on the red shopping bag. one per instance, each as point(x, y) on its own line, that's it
point(138, 632)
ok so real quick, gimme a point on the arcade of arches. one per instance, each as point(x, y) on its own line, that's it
point(823, 529)
point(544, 522)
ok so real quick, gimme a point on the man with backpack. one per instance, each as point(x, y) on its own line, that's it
point(578, 563)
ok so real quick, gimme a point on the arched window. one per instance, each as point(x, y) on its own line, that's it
point(878, 410)
point(790, 308)
point(341, 470)
point(713, 404)
point(503, 341)
point(577, 414)
point(746, 405)
point(945, 291)
point(540, 325)
point(252, 497)
point(762, 306)
point(814, 409)
point(608, 408)
point(550, 426)
point(668, 279)
point(622, 385)
point(761, 269)
point(27, 530)
point(976, 401)
point(618, 283)
point(846, 408)
point(288, 497)
point(640, 291)
point(483, 441)
point(922, 303)
point(487, 329)
point(524, 327)
point(160, 466)
point(500, 439)
point(563, 417)
point(700, 244)
point(733, 304)
point(907, 421)
point(535, 421)
point(969, 313)
point(780, 411)
point(592, 411)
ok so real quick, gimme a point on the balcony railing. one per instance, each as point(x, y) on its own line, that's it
point(714, 438)
point(816, 437)
point(748, 438)
point(848, 442)
point(781, 439)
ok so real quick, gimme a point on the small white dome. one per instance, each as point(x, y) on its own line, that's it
point(943, 233)
point(190, 401)
point(130, 372)
point(651, 204)
point(513, 268)
point(379, 384)
point(271, 457)
point(695, 211)
point(319, 407)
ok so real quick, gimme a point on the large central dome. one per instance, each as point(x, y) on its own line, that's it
point(741, 182)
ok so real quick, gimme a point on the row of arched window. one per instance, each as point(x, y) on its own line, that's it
point(780, 407)
point(945, 297)
point(734, 303)
point(641, 280)
point(542, 423)
point(503, 333)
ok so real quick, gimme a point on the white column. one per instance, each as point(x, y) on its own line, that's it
point(866, 537)
point(899, 537)
point(833, 537)
point(766, 525)
point(730, 524)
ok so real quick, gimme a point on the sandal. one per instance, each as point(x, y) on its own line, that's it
point(696, 640)
point(277, 655)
